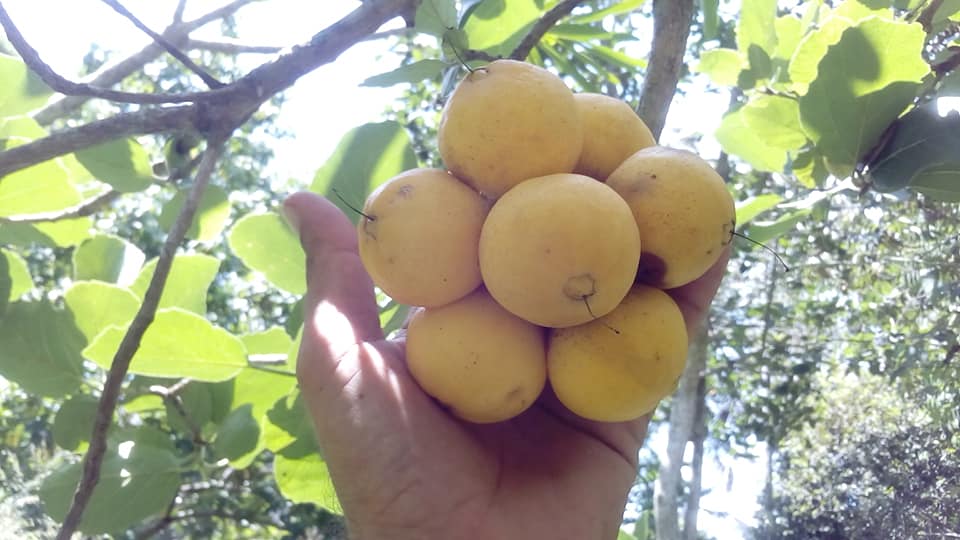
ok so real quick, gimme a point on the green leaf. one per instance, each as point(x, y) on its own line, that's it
point(213, 211)
point(22, 91)
point(407, 74)
point(96, 305)
point(723, 66)
point(138, 479)
point(178, 344)
point(74, 421)
point(122, 163)
point(37, 189)
point(809, 168)
point(40, 349)
point(144, 403)
point(238, 434)
point(435, 17)
point(736, 138)
point(756, 26)
point(865, 81)
point(107, 258)
point(615, 8)
point(752, 207)
point(266, 244)
point(585, 32)
point(776, 120)
point(616, 57)
point(789, 30)
point(392, 316)
point(939, 182)
point(14, 276)
point(624, 535)
point(921, 139)
point(306, 480)
point(186, 287)
point(711, 18)
point(366, 157)
point(766, 231)
point(813, 46)
point(498, 26)
point(64, 233)
point(287, 423)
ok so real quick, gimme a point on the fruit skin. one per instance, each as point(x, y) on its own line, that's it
point(612, 132)
point(418, 237)
point(619, 367)
point(473, 356)
point(507, 122)
point(559, 250)
point(683, 211)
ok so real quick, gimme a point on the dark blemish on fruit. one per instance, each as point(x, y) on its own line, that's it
point(405, 191)
point(728, 231)
point(651, 269)
point(370, 226)
point(580, 287)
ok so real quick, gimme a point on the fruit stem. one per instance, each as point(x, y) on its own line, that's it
point(352, 207)
point(586, 302)
point(764, 246)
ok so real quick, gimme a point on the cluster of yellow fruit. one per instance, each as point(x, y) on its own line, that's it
point(542, 253)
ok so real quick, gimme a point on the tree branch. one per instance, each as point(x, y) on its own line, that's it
point(671, 26)
point(144, 122)
point(208, 79)
point(178, 13)
point(131, 342)
point(83, 209)
point(542, 26)
point(926, 16)
point(114, 73)
point(230, 47)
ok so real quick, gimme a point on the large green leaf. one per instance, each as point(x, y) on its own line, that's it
point(756, 26)
point(435, 17)
point(365, 157)
point(107, 258)
point(37, 189)
point(40, 349)
point(22, 91)
point(940, 182)
point(736, 138)
point(186, 287)
point(615, 8)
point(62, 233)
point(723, 66)
point(775, 120)
point(498, 26)
point(238, 435)
point(96, 305)
point(752, 207)
point(306, 480)
point(768, 230)
point(122, 163)
point(74, 421)
point(15, 277)
point(138, 479)
point(266, 244)
point(411, 73)
point(211, 217)
point(178, 344)
point(864, 82)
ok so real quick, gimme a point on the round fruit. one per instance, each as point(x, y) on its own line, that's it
point(683, 210)
point(620, 366)
point(418, 237)
point(473, 356)
point(559, 250)
point(507, 122)
point(612, 132)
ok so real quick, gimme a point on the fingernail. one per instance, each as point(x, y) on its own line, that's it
point(291, 217)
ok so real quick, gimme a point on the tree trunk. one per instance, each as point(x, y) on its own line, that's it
point(699, 435)
point(683, 410)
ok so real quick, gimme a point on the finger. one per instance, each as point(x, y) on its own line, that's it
point(340, 308)
point(695, 297)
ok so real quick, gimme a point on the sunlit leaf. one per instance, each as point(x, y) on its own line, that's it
point(410, 73)
point(15, 277)
point(122, 163)
point(96, 305)
point(723, 66)
point(752, 207)
point(497, 27)
point(615, 8)
point(736, 139)
point(266, 244)
point(40, 349)
point(213, 211)
point(22, 90)
point(37, 189)
point(107, 258)
point(187, 283)
point(756, 26)
point(306, 480)
point(63, 233)
point(766, 231)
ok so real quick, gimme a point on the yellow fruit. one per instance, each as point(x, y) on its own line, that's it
point(619, 367)
point(612, 132)
point(559, 250)
point(507, 122)
point(473, 356)
point(683, 210)
point(418, 237)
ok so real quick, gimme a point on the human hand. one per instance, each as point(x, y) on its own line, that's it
point(403, 467)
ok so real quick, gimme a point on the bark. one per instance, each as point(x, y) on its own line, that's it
point(683, 411)
point(699, 436)
point(671, 26)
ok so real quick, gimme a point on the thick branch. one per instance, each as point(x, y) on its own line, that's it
point(231, 47)
point(171, 49)
point(114, 73)
point(542, 26)
point(671, 26)
point(122, 125)
point(131, 342)
point(85, 208)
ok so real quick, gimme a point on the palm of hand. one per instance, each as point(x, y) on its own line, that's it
point(405, 468)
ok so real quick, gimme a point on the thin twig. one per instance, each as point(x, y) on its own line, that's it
point(113, 73)
point(146, 122)
point(178, 13)
point(171, 395)
point(926, 16)
point(230, 47)
point(86, 208)
point(131, 342)
point(542, 26)
point(671, 26)
point(207, 78)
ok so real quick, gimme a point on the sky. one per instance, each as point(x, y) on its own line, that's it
point(327, 103)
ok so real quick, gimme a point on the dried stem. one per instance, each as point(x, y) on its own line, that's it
point(208, 79)
point(131, 342)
